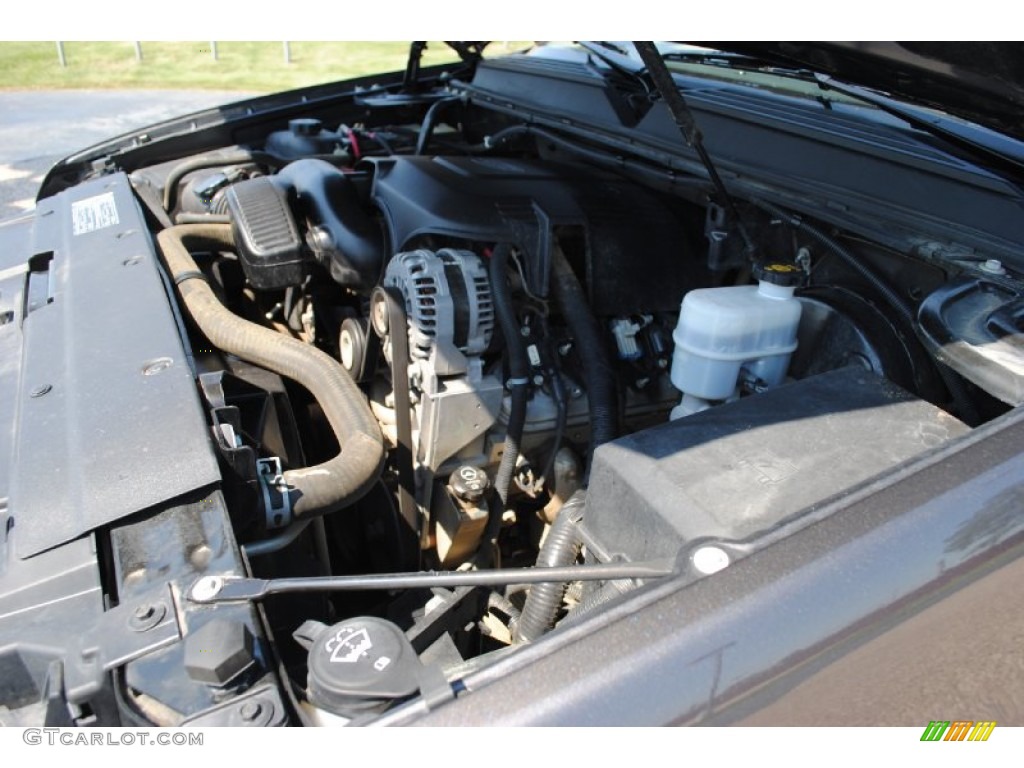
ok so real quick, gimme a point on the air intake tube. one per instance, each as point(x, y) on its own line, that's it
point(315, 490)
point(345, 236)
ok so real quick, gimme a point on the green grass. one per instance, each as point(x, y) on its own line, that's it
point(240, 66)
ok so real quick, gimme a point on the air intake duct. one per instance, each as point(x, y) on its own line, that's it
point(342, 235)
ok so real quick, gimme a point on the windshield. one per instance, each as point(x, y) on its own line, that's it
point(694, 66)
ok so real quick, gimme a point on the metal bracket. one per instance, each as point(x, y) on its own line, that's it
point(153, 623)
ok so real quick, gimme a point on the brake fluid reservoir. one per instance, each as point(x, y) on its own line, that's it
point(725, 331)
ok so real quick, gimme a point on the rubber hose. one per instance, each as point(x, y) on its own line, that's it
point(209, 161)
point(430, 122)
point(560, 548)
point(597, 370)
point(518, 365)
point(962, 401)
point(314, 490)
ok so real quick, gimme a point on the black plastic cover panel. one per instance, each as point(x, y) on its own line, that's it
point(635, 246)
point(47, 603)
point(15, 240)
point(737, 470)
point(107, 414)
point(889, 180)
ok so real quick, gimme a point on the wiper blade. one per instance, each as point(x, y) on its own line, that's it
point(1007, 166)
point(727, 60)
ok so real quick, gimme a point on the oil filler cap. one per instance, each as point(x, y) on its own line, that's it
point(358, 666)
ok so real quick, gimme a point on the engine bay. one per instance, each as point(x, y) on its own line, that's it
point(439, 351)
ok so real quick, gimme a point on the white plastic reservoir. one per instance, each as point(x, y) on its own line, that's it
point(722, 331)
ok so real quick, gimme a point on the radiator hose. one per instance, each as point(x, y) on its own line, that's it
point(314, 490)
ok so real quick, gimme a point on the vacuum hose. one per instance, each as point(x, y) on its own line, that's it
point(315, 490)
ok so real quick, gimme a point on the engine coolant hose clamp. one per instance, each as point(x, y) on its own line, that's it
point(277, 502)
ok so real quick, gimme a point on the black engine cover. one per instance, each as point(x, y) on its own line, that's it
point(635, 247)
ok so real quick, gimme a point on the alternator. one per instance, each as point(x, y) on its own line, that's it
point(451, 319)
point(447, 298)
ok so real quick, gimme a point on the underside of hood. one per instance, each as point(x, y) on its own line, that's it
point(978, 81)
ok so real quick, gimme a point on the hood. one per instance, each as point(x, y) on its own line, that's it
point(978, 81)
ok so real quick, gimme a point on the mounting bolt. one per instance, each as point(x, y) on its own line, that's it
point(524, 331)
point(256, 712)
point(994, 267)
point(146, 616)
point(41, 390)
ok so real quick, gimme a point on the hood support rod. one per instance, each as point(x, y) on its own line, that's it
point(226, 589)
point(683, 117)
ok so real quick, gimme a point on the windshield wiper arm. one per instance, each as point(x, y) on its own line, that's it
point(618, 61)
point(666, 86)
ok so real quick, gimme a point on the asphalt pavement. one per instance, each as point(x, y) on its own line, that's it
point(38, 128)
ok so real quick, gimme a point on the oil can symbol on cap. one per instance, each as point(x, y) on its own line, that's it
point(348, 645)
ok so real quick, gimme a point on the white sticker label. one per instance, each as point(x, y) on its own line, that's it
point(93, 213)
point(534, 355)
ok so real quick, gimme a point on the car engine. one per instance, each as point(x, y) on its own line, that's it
point(438, 350)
